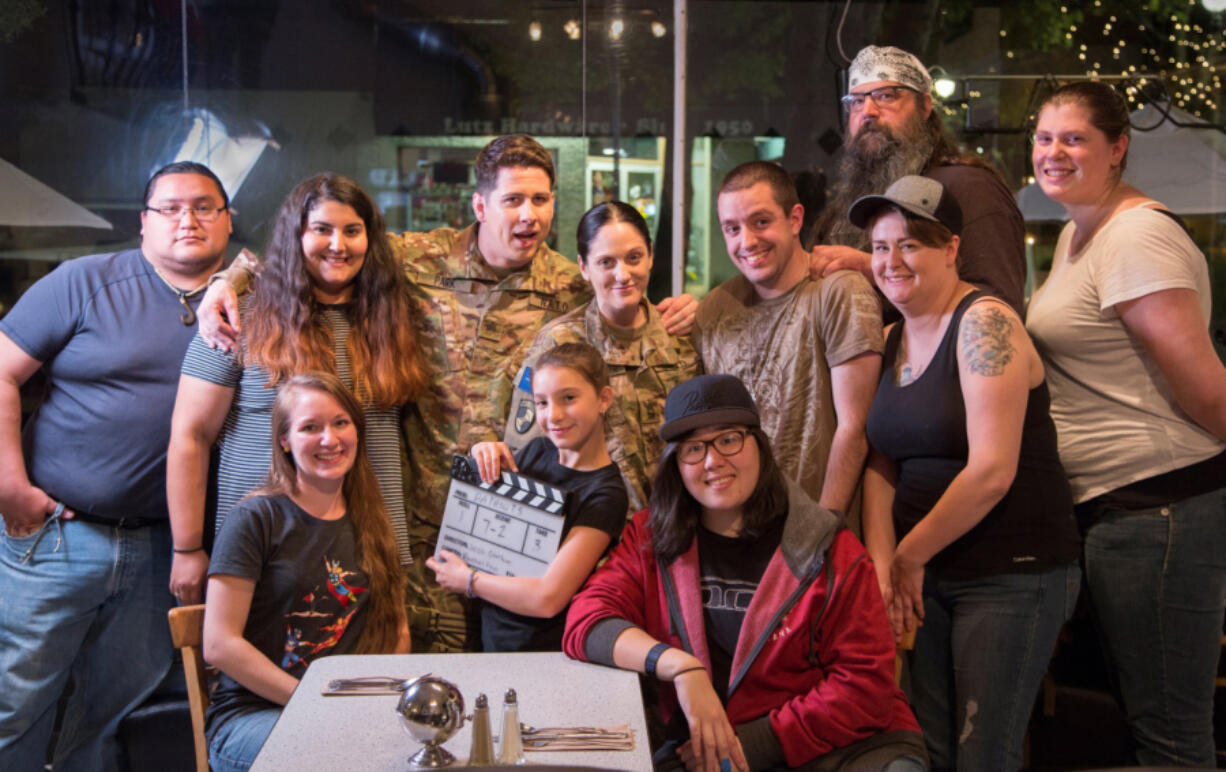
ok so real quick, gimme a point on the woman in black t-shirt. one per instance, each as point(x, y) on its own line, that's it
point(967, 513)
point(304, 568)
point(570, 384)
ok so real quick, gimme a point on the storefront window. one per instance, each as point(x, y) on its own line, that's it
point(401, 95)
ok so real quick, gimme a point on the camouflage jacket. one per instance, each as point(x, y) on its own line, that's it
point(643, 365)
point(477, 328)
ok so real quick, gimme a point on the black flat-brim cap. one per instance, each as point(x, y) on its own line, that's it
point(707, 400)
point(923, 197)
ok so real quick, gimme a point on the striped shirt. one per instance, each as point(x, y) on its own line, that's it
point(245, 442)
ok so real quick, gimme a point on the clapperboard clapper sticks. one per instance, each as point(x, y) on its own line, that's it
point(512, 527)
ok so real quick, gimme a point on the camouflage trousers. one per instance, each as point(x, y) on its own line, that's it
point(440, 621)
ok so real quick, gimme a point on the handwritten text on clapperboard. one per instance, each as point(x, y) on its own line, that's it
point(494, 532)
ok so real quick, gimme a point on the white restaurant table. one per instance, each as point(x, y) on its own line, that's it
point(364, 732)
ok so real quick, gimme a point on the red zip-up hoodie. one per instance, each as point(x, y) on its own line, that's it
point(815, 656)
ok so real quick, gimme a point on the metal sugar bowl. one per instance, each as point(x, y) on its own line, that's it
point(431, 709)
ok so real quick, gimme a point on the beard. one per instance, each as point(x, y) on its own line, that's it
point(872, 159)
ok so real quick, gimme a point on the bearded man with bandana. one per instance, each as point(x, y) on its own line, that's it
point(893, 131)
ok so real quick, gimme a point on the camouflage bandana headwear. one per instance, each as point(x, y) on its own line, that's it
point(887, 63)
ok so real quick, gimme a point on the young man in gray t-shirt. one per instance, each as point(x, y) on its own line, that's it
point(808, 350)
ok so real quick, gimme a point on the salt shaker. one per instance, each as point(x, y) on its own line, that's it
point(512, 750)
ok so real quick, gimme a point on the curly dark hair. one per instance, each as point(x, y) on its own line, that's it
point(285, 330)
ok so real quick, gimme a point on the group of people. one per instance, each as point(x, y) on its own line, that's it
point(293, 455)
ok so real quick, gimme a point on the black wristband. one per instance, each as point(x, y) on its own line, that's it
point(653, 656)
point(184, 552)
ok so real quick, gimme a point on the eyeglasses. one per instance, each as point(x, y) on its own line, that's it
point(886, 98)
point(728, 443)
point(202, 212)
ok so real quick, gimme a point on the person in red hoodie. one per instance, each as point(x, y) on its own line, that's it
point(754, 604)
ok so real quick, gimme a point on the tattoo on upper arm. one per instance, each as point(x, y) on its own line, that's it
point(985, 341)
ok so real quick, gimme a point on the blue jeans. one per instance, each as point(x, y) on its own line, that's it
point(87, 600)
point(1157, 584)
point(234, 744)
point(979, 659)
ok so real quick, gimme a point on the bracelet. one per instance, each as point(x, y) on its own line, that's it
point(193, 549)
point(653, 656)
point(469, 592)
point(688, 670)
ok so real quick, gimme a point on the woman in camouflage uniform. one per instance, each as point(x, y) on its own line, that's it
point(644, 361)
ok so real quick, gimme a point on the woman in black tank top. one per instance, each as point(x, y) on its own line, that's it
point(967, 513)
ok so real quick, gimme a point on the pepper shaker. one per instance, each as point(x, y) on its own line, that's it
point(512, 750)
point(482, 752)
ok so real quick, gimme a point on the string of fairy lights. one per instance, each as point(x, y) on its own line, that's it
point(1186, 55)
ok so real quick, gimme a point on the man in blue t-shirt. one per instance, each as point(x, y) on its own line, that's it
point(85, 551)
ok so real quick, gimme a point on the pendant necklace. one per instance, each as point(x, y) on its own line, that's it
point(188, 317)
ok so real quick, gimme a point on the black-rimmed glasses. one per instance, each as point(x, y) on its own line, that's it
point(727, 443)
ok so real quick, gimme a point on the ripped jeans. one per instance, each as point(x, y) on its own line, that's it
point(979, 659)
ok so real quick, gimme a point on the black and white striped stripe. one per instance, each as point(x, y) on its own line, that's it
point(245, 442)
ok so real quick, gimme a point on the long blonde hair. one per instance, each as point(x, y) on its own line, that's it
point(376, 544)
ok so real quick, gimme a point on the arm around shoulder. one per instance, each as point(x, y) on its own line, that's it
point(220, 325)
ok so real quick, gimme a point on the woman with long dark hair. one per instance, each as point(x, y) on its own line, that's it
point(644, 360)
point(305, 567)
point(328, 296)
point(1139, 400)
point(754, 605)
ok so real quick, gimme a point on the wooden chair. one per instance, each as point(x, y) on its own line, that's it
point(187, 632)
point(906, 644)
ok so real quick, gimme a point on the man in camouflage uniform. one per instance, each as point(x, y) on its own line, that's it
point(483, 293)
point(642, 370)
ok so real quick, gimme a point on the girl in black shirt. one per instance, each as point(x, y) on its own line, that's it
point(570, 386)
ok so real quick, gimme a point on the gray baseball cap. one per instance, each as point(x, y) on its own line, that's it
point(921, 196)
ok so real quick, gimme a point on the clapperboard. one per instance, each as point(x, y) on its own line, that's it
point(512, 527)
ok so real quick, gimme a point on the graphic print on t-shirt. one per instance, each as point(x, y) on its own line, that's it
point(318, 621)
point(725, 601)
point(336, 583)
